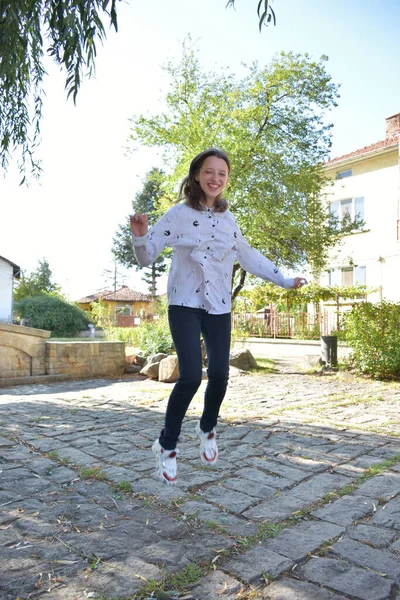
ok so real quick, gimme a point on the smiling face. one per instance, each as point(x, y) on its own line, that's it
point(213, 178)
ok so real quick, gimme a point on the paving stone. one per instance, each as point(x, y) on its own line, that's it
point(253, 489)
point(308, 464)
point(377, 537)
point(297, 542)
point(229, 499)
point(346, 510)
point(292, 589)
point(388, 451)
point(350, 451)
point(278, 508)
point(358, 466)
point(321, 484)
point(353, 581)
point(256, 564)
point(216, 585)
point(240, 452)
point(206, 547)
point(388, 515)
point(279, 469)
point(255, 475)
point(197, 478)
point(212, 515)
point(365, 556)
point(385, 486)
point(61, 475)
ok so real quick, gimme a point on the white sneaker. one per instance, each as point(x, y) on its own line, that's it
point(166, 467)
point(208, 446)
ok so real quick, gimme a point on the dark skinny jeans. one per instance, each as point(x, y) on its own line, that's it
point(186, 325)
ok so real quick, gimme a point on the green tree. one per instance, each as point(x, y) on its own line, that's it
point(66, 30)
point(146, 201)
point(40, 281)
point(273, 125)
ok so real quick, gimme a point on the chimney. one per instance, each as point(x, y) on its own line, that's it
point(392, 125)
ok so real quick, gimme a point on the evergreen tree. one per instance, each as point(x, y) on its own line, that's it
point(146, 202)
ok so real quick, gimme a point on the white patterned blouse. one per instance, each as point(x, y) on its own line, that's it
point(205, 246)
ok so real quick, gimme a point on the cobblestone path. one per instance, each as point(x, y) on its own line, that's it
point(304, 503)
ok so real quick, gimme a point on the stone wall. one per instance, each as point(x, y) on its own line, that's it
point(26, 352)
point(22, 351)
point(85, 359)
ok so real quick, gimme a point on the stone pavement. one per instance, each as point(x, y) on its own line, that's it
point(304, 503)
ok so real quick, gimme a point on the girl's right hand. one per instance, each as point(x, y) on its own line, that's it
point(139, 224)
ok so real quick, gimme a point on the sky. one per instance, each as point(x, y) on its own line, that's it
point(89, 179)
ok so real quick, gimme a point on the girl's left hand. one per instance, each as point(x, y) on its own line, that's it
point(299, 282)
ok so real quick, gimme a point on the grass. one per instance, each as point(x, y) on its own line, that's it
point(94, 473)
point(264, 366)
point(124, 486)
point(170, 586)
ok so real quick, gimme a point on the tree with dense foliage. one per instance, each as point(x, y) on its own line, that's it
point(272, 123)
point(40, 281)
point(66, 30)
point(147, 201)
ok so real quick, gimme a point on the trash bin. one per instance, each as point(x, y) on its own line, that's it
point(329, 350)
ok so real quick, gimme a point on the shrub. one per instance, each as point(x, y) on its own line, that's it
point(52, 313)
point(372, 331)
point(150, 337)
point(129, 335)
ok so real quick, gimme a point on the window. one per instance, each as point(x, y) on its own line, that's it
point(343, 174)
point(123, 310)
point(346, 276)
point(350, 208)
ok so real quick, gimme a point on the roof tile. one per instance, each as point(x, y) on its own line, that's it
point(386, 143)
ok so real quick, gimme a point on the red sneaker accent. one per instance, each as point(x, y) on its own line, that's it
point(210, 460)
point(168, 478)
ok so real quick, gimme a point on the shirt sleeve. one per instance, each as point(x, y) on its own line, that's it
point(148, 247)
point(254, 262)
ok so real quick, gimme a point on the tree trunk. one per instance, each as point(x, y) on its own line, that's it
point(243, 273)
point(153, 286)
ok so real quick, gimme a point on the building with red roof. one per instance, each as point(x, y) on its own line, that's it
point(366, 182)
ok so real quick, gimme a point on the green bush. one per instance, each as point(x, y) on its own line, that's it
point(151, 337)
point(52, 313)
point(373, 333)
point(129, 335)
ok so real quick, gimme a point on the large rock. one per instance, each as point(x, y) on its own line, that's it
point(242, 359)
point(133, 368)
point(151, 370)
point(133, 356)
point(310, 361)
point(155, 358)
point(168, 369)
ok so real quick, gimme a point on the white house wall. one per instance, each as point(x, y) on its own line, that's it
point(377, 248)
point(6, 291)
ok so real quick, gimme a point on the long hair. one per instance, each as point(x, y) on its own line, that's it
point(190, 191)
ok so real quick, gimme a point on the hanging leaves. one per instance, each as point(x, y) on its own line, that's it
point(68, 31)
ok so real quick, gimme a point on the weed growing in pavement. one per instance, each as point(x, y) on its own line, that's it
point(94, 473)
